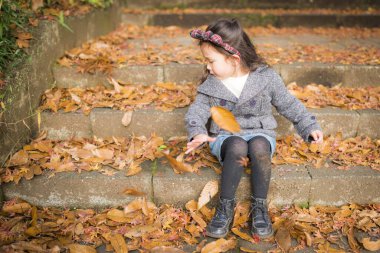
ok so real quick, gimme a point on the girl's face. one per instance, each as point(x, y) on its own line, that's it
point(218, 64)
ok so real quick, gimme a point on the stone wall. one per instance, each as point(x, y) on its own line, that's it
point(18, 123)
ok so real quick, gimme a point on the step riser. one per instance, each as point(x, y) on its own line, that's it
point(302, 74)
point(285, 20)
point(291, 4)
point(167, 124)
point(289, 185)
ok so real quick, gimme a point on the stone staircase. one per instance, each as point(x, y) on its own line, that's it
point(301, 184)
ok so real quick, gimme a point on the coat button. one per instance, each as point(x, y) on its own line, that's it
point(193, 123)
point(312, 117)
point(223, 102)
point(252, 102)
point(247, 116)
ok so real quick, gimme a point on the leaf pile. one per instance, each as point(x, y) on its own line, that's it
point(133, 45)
point(317, 96)
point(168, 96)
point(126, 154)
point(163, 96)
point(104, 155)
point(355, 151)
point(144, 226)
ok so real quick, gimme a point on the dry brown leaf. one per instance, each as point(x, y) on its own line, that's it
point(17, 208)
point(283, 238)
point(371, 245)
point(127, 118)
point(224, 119)
point(166, 249)
point(117, 215)
point(19, 158)
point(249, 250)
point(133, 192)
point(243, 235)
point(220, 245)
point(133, 169)
point(78, 248)
point(177, 166)
point(118, 243)
point(209, 191)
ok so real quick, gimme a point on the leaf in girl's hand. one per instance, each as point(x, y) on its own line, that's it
point(224, 119)
point(208, 192)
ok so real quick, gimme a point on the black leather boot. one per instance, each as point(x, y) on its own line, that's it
point(261, 223)
point(220, 223)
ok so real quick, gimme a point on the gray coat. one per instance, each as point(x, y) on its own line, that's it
point(253, 109)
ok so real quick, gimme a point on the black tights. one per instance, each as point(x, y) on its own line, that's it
point(233, 150)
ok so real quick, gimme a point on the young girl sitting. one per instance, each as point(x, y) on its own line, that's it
point(240, 81)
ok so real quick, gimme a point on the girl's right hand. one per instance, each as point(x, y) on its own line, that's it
point(197, 141)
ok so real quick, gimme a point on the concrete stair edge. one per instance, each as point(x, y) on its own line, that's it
point(301, 185)
point(63, 125)
point(301, 73)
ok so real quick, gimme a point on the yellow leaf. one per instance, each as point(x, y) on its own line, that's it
point(33, 231)
point(371, 245)
point(78, 248)
point(133, 206)
point(208, 192)
point(224, 119)
point(133, 169)
point(118, 243)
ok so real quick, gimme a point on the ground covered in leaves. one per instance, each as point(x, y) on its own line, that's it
point(144, 226)
point(168, 96)
point(134, 45)
point(127, 154)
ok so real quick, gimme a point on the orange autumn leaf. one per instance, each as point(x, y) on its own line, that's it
point(17, 208)
point(220, 245)
point(224, 119)
point(177, 166)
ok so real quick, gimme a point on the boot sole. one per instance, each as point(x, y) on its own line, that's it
point(263, 236)
point(216, 236)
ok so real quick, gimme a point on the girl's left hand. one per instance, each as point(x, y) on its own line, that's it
point(317, 136)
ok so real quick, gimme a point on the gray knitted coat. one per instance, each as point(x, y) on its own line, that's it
point(253, 109)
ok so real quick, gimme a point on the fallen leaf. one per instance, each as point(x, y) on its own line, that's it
point(371, 245)
point(220, 245)
point(127, 118)
point(17, 208)
point(117, 215)
point(78, 248)
point(133, 192)
point(209, 191)
point(283, 238)
point(118, 243)
point(178, 167)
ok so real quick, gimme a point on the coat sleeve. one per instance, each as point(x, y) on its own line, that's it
point(197, 116)
point(293, 109)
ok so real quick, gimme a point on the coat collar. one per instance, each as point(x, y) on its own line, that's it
point(254, 84)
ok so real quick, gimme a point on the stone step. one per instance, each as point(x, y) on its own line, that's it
point(203, 17)
point(289, 185)
point(301, 73)
point(63, 125)
point(290, 4)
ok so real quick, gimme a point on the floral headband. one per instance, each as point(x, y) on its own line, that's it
point(214, 39)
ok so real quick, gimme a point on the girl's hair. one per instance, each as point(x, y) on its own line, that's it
point(232, 33)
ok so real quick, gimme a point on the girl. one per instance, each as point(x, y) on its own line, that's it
point(240, 81)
